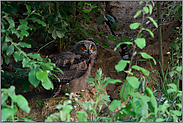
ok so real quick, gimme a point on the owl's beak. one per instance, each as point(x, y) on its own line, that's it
point(88, 51)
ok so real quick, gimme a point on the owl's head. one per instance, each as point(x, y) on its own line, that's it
point(85, 48)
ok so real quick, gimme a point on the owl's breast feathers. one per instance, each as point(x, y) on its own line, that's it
point(73, 66)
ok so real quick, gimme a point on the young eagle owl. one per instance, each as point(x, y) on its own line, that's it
point(76, 65)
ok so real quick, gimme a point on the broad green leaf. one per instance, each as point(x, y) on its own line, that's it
point(4, 46)
point(138, 95)
point(146, 56)
point(54, 34)
point(151, 33)
point(111, 81)
point(26, 62)
point(171, 90)
point(160, 120)
point(153, 103)
point(176, 112)
point(150, 8)
point(51, 29)
point(138, 13)
point(175, 45)
point(6, 113)
point(134, 25)
point(141, 42)
point(146, 72)
point(62, 115)
point(179, 68)
point(60, 33)
point(172, 85)
point(133, 81)
point(82, 116)
point(28, 8)
point(100, 19)
point(7, 39)
point(128, 43)
point(11, 22)
point(154, 22)
point(121, 65)
point(10, 50)
point(23, 27)
point(67, 108)
point(114, 104)
point(23, 22)
point(35, 56)
point(22, 103)
point(47, 66)
point(87, 10)
point(32, 77)
point(18, 56)
point(1, 60)
point(23, 44)
point(129, 89)
point(140, 2)
point(4, 95)
point(146, 10)
point(38, 21)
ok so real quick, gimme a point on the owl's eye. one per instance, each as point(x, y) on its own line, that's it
point(83, 48)
point(92, 48)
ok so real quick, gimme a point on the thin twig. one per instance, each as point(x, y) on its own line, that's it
point(45, 45)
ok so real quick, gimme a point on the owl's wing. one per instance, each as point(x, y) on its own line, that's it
point(72, 65)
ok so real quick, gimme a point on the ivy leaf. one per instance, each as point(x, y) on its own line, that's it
point(146, 56)
point(141, 42)
point(121, 65)
point(10, 50)
point(134, 25)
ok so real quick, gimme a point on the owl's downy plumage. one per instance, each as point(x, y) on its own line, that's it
point(76, 65)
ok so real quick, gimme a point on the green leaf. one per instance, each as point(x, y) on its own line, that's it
point(150, 8)
point(23, 44)
point(62, 115)
point(7, 60)
point(171, 90)
point(87, 10)
point(4, 46)
point(179, 68)
point(154, 22)
point(121, 65)
point(11, 22)
point(111, 37)
point(160, 120)
point(43, 77)
point(114, 104)
point(38, 21)
point(32, 77)
point(26, 62)
point(141, 42)
point(133, 81)
point(6, 113)
point(151, 33)
point(129, 89)
point(51, 29)
point(100, 19)
point(10, 50)
point(146, 10)
point(177, 113)
point(82, 116)
point(23, 22)
point(23, 27)
point(146, 56)
point(60, 33)
point(22, 103)
point(175, 45)
point(134, 25)
point(111, 81)
point(86, 17)
point(70, 19)
point(18, 56)
point(54, 34)
point(4, 95)
point(138, 13)
point(35, 56)
point(172, 85)
point(146, 72)
point(28, 8)
point(7, 39)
